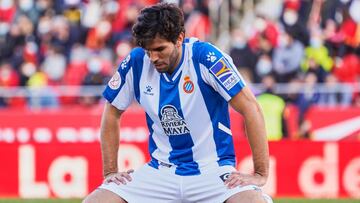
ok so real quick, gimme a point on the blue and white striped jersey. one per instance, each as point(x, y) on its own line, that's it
point(187, 111)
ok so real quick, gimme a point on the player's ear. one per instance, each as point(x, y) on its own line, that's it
point(180, 39)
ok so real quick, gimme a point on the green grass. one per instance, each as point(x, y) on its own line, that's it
point(316, 201)
point(282, 200)
point(40, 200)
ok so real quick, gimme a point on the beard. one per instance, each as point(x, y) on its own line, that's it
point(174, 60)
point(170, 64)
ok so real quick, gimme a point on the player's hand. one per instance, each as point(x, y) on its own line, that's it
point(239, 179)
point(119, 178)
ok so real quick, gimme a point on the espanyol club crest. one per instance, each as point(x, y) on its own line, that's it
point(188, 86)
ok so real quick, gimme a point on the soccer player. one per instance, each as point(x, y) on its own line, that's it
point(184, 86)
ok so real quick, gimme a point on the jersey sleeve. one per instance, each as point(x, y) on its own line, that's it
point(218, 70)
point(120, 89)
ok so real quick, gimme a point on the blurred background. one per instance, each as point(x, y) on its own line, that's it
point(301, 58)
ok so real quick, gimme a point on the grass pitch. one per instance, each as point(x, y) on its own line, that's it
point(278, 200)
point(316, 201)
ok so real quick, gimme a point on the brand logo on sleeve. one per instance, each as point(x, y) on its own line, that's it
point(172, 122)
point(188, 85)
point(223, 72)
point(115, 81)
point(211, 57)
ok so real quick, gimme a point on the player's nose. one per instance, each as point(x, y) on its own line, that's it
point(154, 56)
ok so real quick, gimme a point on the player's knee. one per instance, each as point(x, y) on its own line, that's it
point(88, 199)
point(267, 198)
point(259, 200)
point(263, 198)
point(103, 196)
point(250, 196)
point(92, 198)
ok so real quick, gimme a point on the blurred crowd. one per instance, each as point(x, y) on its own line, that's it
point(296, 43)
point(47, 43)
point(301, 41)
point(312, 47)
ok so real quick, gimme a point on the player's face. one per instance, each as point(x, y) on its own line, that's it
point(164, 54)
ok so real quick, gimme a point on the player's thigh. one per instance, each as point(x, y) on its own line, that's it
point(247, 196)
point(103, 196)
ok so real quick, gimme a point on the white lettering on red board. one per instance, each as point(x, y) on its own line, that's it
point(28, 187)
point(68, 135)
point(325, 166)
point(75, 167)
point(129, 157)
point(351, 178)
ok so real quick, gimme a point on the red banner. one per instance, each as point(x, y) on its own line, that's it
point(334, 123)
point(298, 168)
point(57, 154)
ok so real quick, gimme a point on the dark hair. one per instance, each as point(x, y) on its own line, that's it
point(164, 19)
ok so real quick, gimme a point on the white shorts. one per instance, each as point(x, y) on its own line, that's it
point(163, 186)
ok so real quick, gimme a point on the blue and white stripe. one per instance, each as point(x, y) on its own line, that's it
point(186, 112)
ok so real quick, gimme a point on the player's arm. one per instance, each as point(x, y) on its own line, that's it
point(245, 103)
point(109, 137)
point(221, 74)
point(119, 94)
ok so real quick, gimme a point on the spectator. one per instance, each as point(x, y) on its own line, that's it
point(95, 77)
point(317, 57)
point(273, 107)
point(309, 96)
point(198, 25)
point(35, 35)
point(263, 67)
point(28, 8)
point(98, 36)
point(351, 24)
point(294, 18)
point(335, 95)
point(334, 39)
point(26, 71)
point(356, 101)
point(8, 78)
point(287, 57)
point(243, 56)
point(54, 66)
point(41, 95)
point(61, 36)
point(348, 68)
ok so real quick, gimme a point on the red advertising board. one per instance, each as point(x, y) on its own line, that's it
point(334, 123)
point(298, 168)
point(57, 154)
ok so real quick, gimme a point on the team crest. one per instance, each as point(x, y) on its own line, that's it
point(223, 72)
point(188, 85)
point(115, 81)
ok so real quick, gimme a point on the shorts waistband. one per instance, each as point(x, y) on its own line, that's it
point(165, 164)
point(204, 169)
